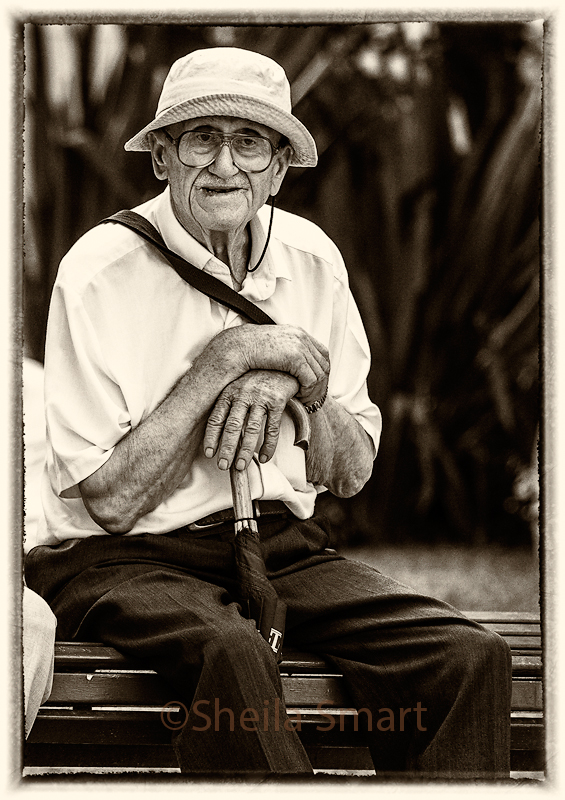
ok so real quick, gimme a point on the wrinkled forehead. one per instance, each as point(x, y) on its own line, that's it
point(224, 125)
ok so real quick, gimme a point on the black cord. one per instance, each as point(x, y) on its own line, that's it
point(252, 269)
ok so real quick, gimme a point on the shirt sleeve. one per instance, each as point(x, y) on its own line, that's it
point(351, 358)
point(86, 412)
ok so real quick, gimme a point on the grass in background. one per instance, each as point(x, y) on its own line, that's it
point(472, 579)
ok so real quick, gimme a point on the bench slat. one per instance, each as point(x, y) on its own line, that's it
point(88, 657)
point(144, 727)
point(526, 665)
point(121, 689)
point(503, 616)
point(523, 642)
point(163, 757)
point(124, 689)
point(527, 695)
point(75, 657)
point(314, 690)
point(109, 689)
point(532, 629)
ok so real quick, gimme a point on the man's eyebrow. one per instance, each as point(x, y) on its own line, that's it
point(244, 130)
point(251, 131)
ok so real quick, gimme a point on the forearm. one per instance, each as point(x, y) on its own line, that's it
point(340, 455)
point(150, 462)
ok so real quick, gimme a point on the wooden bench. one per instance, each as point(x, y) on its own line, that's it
point(105, 710)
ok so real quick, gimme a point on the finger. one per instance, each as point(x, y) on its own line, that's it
point(314, 368)
point(309, 344)
point(307, 369)
point(271, 436)
point(308, 394)
point(231, 434)
point(215, 425)
point(320, 352)
point(294, 344)
point(252, 431)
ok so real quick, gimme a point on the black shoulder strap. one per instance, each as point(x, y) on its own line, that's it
point(204, 282)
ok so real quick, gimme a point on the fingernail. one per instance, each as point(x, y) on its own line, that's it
point(208, 452)
point(240, 464)
point(263, 458)
point(222, 463)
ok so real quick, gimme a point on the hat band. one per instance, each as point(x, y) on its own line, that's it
point(229, 87)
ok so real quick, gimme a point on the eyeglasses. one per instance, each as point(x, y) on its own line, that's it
point(250, 153)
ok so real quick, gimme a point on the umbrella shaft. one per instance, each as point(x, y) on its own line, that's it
point(241, 495)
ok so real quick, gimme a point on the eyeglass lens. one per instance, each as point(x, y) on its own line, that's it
point(199, 148)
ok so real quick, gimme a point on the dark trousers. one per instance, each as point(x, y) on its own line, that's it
point(169, 599)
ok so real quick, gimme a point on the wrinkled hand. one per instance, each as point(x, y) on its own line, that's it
point(286, 348)
point(236, 421)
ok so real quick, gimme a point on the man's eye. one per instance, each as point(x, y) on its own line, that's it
point(203, 137)
point(248, 142)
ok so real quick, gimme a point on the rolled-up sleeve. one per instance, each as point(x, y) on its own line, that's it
point(86, 412)
point(351, 360)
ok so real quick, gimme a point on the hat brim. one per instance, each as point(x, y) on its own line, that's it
point(244, 106)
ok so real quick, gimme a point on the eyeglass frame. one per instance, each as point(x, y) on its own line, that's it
point(226, 138)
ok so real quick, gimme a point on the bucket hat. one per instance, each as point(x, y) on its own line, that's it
point(230, 81)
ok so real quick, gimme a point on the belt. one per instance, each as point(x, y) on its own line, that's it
point(263, 508)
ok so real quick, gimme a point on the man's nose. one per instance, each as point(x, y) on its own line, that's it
point(223, 165)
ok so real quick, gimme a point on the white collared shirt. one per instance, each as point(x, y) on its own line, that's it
point(123, 327)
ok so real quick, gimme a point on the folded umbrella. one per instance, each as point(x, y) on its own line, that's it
point(258, 598)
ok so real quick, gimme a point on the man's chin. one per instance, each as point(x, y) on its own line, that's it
point(221, 210)
point(225, 222)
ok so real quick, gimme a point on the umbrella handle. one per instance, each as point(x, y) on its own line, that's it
point(241, 492)
point(299, 416)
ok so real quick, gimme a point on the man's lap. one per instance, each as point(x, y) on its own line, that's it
point(177, 575)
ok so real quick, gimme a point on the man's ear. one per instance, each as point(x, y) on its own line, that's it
point(281, 164)
point(157, 142)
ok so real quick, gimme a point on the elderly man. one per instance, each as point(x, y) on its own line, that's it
point(153, 391)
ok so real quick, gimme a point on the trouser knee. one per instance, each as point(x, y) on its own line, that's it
point(487, 650)
point(477, 655)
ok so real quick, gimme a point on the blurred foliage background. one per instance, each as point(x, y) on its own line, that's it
point(428, 181)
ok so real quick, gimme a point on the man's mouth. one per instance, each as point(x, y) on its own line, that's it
point(220, 189)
